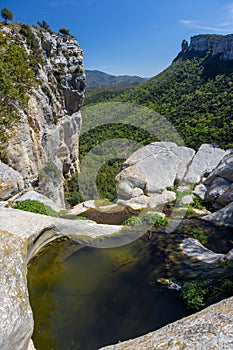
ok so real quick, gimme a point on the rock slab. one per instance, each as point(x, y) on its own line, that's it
point(208, 329)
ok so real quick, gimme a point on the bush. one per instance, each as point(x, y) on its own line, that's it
point(194, 294)
point(198, 234)
point(35, 207)
point(43, 25)
point(64, 31)
point(198, 203)
point(155, 219)
point(133, 221)
point(72, 194)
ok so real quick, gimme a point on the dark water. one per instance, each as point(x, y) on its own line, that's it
point(85, 298)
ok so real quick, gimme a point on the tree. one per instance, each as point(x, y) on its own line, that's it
point(64, 31)
point(6, 14)
point(43, 25)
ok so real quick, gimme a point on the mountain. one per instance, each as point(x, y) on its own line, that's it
point(195, 93)
point(97, 78)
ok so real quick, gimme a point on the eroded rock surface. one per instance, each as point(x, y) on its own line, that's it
point(28, 233)
point(16, 321)
point(11, 182)
point(208, 329)
point(48, 130)
point(155, 168)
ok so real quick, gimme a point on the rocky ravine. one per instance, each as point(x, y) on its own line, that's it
point(46, 136)
point(148, 174)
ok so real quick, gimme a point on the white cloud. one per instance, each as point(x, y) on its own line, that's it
point(222, 28)
point(186, 22)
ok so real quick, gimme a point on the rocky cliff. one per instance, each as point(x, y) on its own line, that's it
point(43, 142)
point(216, 45)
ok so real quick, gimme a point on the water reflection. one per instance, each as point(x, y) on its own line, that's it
point(84, 298)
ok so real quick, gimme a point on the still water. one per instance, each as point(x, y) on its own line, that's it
point(84, 298)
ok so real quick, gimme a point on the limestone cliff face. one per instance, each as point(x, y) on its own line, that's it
point(48, 129)
point(221, 45)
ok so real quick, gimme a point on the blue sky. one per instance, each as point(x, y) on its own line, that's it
point(138, 37)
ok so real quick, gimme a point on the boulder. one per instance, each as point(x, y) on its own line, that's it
point(142, 202)
point(153, 168)
point(11, 182)
point(222, 217)
point(229, 255)
point(187, 200)
point(224, 169)
point(206, 159)
point(217, 188)
point(225, 198)
point(200, 191)
point(192, 247)
point(125, 190)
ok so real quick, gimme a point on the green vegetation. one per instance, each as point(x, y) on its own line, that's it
point(72, 194)
point(36, 56)
point(35, 207)
point(154, 219)
point(198, 203)
point(134, 221)
point(105, 179)
point(80, 217)
point(16, 78)
point(44, 25)
point(103, 93)
point(149, 218)
point(64, 31)
point(196, 95)
point(198, 234)
point(6, 14)
point(200, 293)
point(194, 294)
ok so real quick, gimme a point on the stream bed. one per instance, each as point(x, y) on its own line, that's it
point(85, 298)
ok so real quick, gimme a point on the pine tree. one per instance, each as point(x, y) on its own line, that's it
point(6, 14)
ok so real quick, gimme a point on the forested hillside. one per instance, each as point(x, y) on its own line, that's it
point(195, 93)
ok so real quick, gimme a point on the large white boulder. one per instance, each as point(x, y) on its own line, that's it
point(11, 182)
point(153, 168)
point(206, 160)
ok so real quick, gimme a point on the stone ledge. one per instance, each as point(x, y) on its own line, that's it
point(211, 328)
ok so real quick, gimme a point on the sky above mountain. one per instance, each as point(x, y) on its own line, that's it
point(128, 36)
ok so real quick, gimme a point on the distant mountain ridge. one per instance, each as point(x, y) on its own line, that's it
point(96, 78)
point(195, 93)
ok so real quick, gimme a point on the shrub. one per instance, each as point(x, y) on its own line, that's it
point(47, 91)
point(198, 203)
point(16, 78)
point(64, 31)
point(225, 286)
point(155, 219)
point(194, 294)
point(198, 234)
point(43, 25)
point(133, 221)
point(72, 194)
point(35, 207)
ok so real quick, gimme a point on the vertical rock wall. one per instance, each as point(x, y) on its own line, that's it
point(48, 131)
